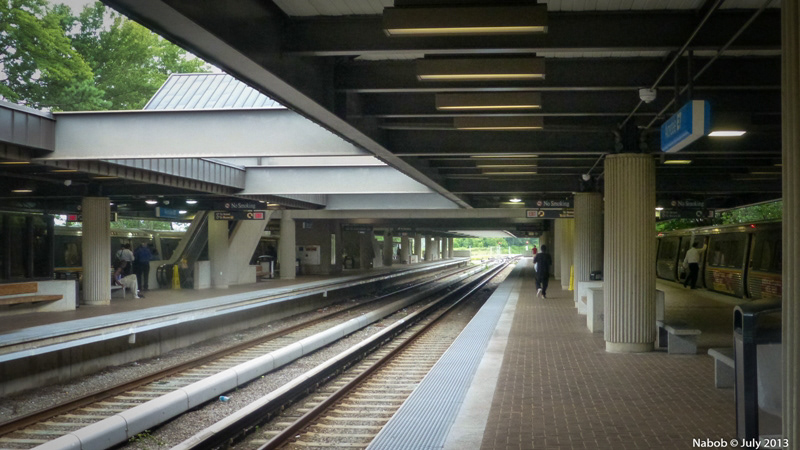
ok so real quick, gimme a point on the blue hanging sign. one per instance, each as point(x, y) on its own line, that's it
point(689, 124)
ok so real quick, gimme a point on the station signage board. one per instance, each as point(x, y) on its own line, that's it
point(689, 124)
point(79, 217)
point(356, 227)
point(237, 205)
point(167, 213)
point(670, 213)
point(554, 213)
point(554, 204)
point(240, 215)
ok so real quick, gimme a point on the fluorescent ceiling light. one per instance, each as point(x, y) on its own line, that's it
point(14, 163)
point(64, 170)
point(727, 133)
point(22, 191)
point(504, 156)
point(182, 211)
point(515, 200)
point(480, 69)
point(191, 202)
point(489, 101)
point(504, 166)
point(499, 123)
point(510, 173)
point(465, 20)
point(678, 161)
point(151, 202)
point(659, 208)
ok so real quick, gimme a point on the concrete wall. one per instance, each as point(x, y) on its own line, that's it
point(318, 233)
point(67, 288)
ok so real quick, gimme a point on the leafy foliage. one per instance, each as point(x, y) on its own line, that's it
point(97, 60)
point(754, 213)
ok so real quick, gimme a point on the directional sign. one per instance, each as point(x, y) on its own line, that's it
point(167, 213)
point(239, 215)
point(554, 213)
point(685, 213)
point(236, 205)
point(79, 217)
point(689, 124)
point(356, 227)
point(557, 204)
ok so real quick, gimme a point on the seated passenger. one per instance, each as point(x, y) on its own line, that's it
point(129, 281)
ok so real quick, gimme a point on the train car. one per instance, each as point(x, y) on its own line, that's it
point(743, 261)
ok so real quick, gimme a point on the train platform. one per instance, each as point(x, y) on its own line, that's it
point(544, 381)
point(33, 333)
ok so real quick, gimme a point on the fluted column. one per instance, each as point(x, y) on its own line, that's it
point(567, 251)
point(405, 254)
point(218, 252)
point(629, 280)
point(418, 246)
point(449, 248)
point(588, 250)
point(388, 250)
point(558, 236)
point(96, 250)
point(287, 252)
point(790, 93)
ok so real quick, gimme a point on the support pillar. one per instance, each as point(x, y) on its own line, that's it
point(405, 253)
point(388, 252)
point(96, 250)
point(790, 124)
point(437, 250)
point(588, 254)
point(449, 248)
point(428, 248)
point(567, 251)
point(287, 252)
point(218, 252)
point(418, 246)
point(558, 236)
point(629, 281)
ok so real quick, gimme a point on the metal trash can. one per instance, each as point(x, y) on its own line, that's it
point(756, 328)
point(267, 263)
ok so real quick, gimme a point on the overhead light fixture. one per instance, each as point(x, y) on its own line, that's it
point(505, 166)
point(64, 171)
point(191, 202)
point(22, 191)
point(511, 173)
point(480, 101)
point(151, 202)
point(465, 20)
point(499, 123)
point(515, 200)
point(182, 211)
point(729, 124)
point(727, 133)
point(104, 178)
point(14, 163)
point(480, 69)
point(501, 156)
point(678, 161)
point(659, 208)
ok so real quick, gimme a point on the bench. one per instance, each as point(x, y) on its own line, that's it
point(723, 366)
point(679, 338)
point(116, 287)
point(10, 294)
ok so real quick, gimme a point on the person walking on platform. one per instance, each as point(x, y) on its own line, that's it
point(141, 265)
point(541, 263)
point(692, 259)
point(129, 281)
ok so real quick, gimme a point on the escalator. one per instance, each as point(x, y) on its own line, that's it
point(190, 249)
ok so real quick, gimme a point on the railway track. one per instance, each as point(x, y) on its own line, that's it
point(49, 425)
point(353, 394)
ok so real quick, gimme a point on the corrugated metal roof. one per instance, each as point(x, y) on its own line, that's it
point(208, 91)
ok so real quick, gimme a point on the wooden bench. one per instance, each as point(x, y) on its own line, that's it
point(723, 366)
point(679, 338)
point(15, 289)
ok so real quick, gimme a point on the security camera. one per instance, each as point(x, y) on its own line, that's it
point(647, 95)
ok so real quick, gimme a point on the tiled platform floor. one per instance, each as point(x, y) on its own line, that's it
point(559, 389)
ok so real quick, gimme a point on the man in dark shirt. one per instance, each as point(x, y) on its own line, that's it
point(141, 266)
point(542, 262)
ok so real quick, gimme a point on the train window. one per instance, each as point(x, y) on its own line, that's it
point(668, 249)
point(727, 250)
point(767, 253)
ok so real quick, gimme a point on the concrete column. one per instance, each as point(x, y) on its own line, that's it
point(387, 247)
point(286, 246)
point(449, 248)
point(96, 250)
point(629, 281)
point(567, 251)
point(218, 252)
point(405, 253)
point(790, 121)
point(558, 236)
point(437, 250)
point(418, 246)
point(588, 255)
point(428, 248)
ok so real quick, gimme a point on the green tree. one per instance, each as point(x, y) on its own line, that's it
point(38, 65)
point(129, 62)
point(754, 213)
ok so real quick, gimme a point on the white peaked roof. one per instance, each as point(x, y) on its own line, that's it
point(208, 91)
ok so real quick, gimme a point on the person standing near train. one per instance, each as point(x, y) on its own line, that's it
point(141, 266)
point(692, 260)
